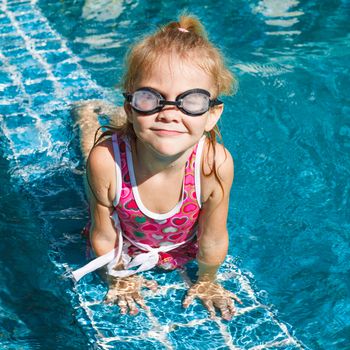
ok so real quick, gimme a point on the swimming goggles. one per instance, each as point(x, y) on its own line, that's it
point(194, 102)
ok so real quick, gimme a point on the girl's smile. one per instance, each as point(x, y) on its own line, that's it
point(167, 132)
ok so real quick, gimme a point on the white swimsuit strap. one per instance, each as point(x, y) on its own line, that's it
point(136, 194)
point(197, 169)
point(117, 161)
point(113, 255)
point(145, 261)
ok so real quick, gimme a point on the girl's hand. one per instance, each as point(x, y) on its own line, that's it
point(126, 292)
point(213, 295)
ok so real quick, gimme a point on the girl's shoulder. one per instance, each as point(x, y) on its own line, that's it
point(216, 171)
point(101, 153)
point(101, 171)
point(216, 158)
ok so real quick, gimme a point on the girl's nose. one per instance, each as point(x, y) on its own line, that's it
point(170, 113)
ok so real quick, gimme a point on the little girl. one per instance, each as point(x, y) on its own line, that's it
point(159, 186)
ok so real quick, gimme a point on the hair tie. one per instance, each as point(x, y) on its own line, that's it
point(183, 30)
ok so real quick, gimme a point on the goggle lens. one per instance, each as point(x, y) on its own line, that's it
point(144, 100)
point(196, 103)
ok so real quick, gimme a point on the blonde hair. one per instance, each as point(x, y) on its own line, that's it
point(188, 40)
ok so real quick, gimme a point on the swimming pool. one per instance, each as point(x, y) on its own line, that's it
point(288, 129)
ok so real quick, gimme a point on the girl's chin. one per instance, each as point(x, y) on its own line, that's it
point(168, 145)
point(169, 149)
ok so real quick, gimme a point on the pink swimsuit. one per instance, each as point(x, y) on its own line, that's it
point(139, 225)
point(147, 239)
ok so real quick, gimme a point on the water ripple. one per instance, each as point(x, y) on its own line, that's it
point(263, 70)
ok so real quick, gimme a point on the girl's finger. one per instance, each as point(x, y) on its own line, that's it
point(139, 300)
point(110, 297)
point(222, 305)
point(226, 313)
point(210, 307)
point(191, 292)
point(188, 300)
point(234, 296)
point(123, 305)
point(132, 306)
point(150, 284)
point(231, 306)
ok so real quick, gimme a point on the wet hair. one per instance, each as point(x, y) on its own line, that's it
point(187, 40)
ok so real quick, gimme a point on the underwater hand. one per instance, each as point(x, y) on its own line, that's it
point(213, 295)
point(126, 292)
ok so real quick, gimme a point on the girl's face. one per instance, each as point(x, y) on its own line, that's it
point(170, 132)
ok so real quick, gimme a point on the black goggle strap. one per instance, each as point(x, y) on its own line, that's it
point(215, 102)
point(127, 96)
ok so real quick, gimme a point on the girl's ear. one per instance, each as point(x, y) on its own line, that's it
point(128, 111)
point(213, 117)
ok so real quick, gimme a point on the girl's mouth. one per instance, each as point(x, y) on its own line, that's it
point(167, 132)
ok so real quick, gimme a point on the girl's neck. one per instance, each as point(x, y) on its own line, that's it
point(148, 163)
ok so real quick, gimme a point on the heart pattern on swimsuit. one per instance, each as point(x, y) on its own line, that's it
point(169, 229)
point(179, 221)
point(131, 205)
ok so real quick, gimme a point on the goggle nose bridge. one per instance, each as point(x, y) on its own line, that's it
point(163, 103)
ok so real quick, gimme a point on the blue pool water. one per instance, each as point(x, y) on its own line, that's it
point(288, 128)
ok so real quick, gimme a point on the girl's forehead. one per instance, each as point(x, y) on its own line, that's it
point(172, 73)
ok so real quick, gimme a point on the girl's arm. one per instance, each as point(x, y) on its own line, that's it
point(213, 238)
point(213, 235)
point(101, 189)
point(99, 185)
